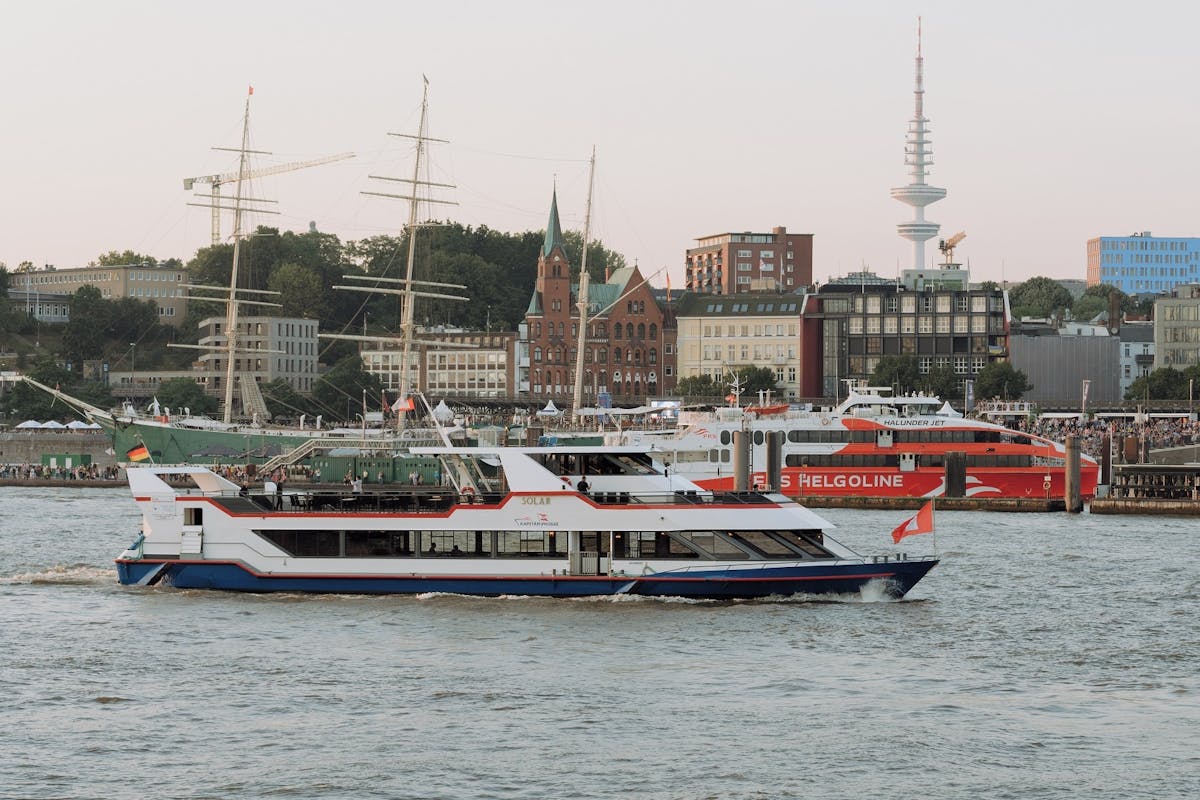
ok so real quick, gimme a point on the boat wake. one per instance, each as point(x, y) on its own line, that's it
point(63, 575)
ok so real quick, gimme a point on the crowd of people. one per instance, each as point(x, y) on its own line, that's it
point(1156, 432)
point(88, 472)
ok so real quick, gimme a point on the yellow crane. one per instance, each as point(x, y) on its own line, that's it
point(947, 246)
point(230, 177)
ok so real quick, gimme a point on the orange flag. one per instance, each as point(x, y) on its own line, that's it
point(921, 522)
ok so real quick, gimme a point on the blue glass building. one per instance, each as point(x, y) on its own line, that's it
point(1143, 264)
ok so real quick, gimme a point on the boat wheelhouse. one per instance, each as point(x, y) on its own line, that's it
point(503, 521)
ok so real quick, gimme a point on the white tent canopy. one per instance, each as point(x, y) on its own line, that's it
point(30, 423)
point(947, 410)
point(550, 410)
point(442, 412)
point(53, 424)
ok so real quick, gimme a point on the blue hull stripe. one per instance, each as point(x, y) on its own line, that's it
point(897, 578)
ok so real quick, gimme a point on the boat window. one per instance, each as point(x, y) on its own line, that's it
point(764, 544)
point(726, 437)
point(759, 438)
point(657, 544)
point(360, 544)
point(510, 544)
point(624, 464)
point(713, 543)
point(809, 541)
point(306, 544)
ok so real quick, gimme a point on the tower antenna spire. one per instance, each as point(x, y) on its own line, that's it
point(918, 157)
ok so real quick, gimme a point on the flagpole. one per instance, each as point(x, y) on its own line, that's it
point(148, 453)
point(933, 521)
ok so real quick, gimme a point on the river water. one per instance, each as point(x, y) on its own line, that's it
point(1048, 656)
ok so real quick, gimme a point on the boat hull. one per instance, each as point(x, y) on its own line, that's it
point(893, 577)
point(170, 444)
point(800, 482)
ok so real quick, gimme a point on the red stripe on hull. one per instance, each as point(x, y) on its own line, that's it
point(869, 482)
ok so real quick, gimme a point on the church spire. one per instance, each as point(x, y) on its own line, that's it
point(554, 236)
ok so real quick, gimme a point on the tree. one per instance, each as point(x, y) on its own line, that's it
point(942, 382)
point(300, 291)
point(899, 372)
point(1039, 297)
point(339, 392)
point(756, 379)
point(178, 394)
point(1001, 379)
point(114, 258)
point(1095, 300)
point(83, 337)
point(698, 386)
point(1164, 383)
point(7, 315)
point(283, 400)
point(25, 401)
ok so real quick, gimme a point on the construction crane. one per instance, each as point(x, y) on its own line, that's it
point(947, 246)
point(230, 177)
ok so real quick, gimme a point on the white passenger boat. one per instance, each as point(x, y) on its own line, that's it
point(504, 521)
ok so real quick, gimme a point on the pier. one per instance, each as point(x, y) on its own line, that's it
point(1152, 489)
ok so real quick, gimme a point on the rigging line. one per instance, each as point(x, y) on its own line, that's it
point(522, 157)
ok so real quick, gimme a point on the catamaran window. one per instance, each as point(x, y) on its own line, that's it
point(713, 544)
point(810, 541)
point(306, 544)
point(654, 544)
point(360, 544)
point(726, 437)
point(530, 543)
point(764, 544)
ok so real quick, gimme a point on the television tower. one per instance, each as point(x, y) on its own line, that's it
point(917, 152)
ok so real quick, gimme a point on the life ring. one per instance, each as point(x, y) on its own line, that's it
point(826, 421)
point(1046, 485)
point(468, 493)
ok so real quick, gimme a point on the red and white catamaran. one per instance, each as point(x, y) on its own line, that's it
point(874, 443)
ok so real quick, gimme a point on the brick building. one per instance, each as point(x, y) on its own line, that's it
point(731, 263)
point(629, 345)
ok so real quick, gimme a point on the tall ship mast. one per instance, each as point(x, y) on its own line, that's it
point(583, 292)
point(407, 287)
point(236, 296)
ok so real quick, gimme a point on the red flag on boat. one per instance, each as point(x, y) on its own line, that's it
point(920, 522)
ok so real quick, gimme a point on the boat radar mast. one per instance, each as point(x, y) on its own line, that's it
point(918, 156)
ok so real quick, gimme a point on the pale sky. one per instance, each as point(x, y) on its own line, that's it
point(1052, 122)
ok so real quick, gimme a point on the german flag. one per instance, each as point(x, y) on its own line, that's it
point(139, 453)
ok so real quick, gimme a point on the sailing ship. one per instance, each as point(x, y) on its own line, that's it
point(179, 437)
